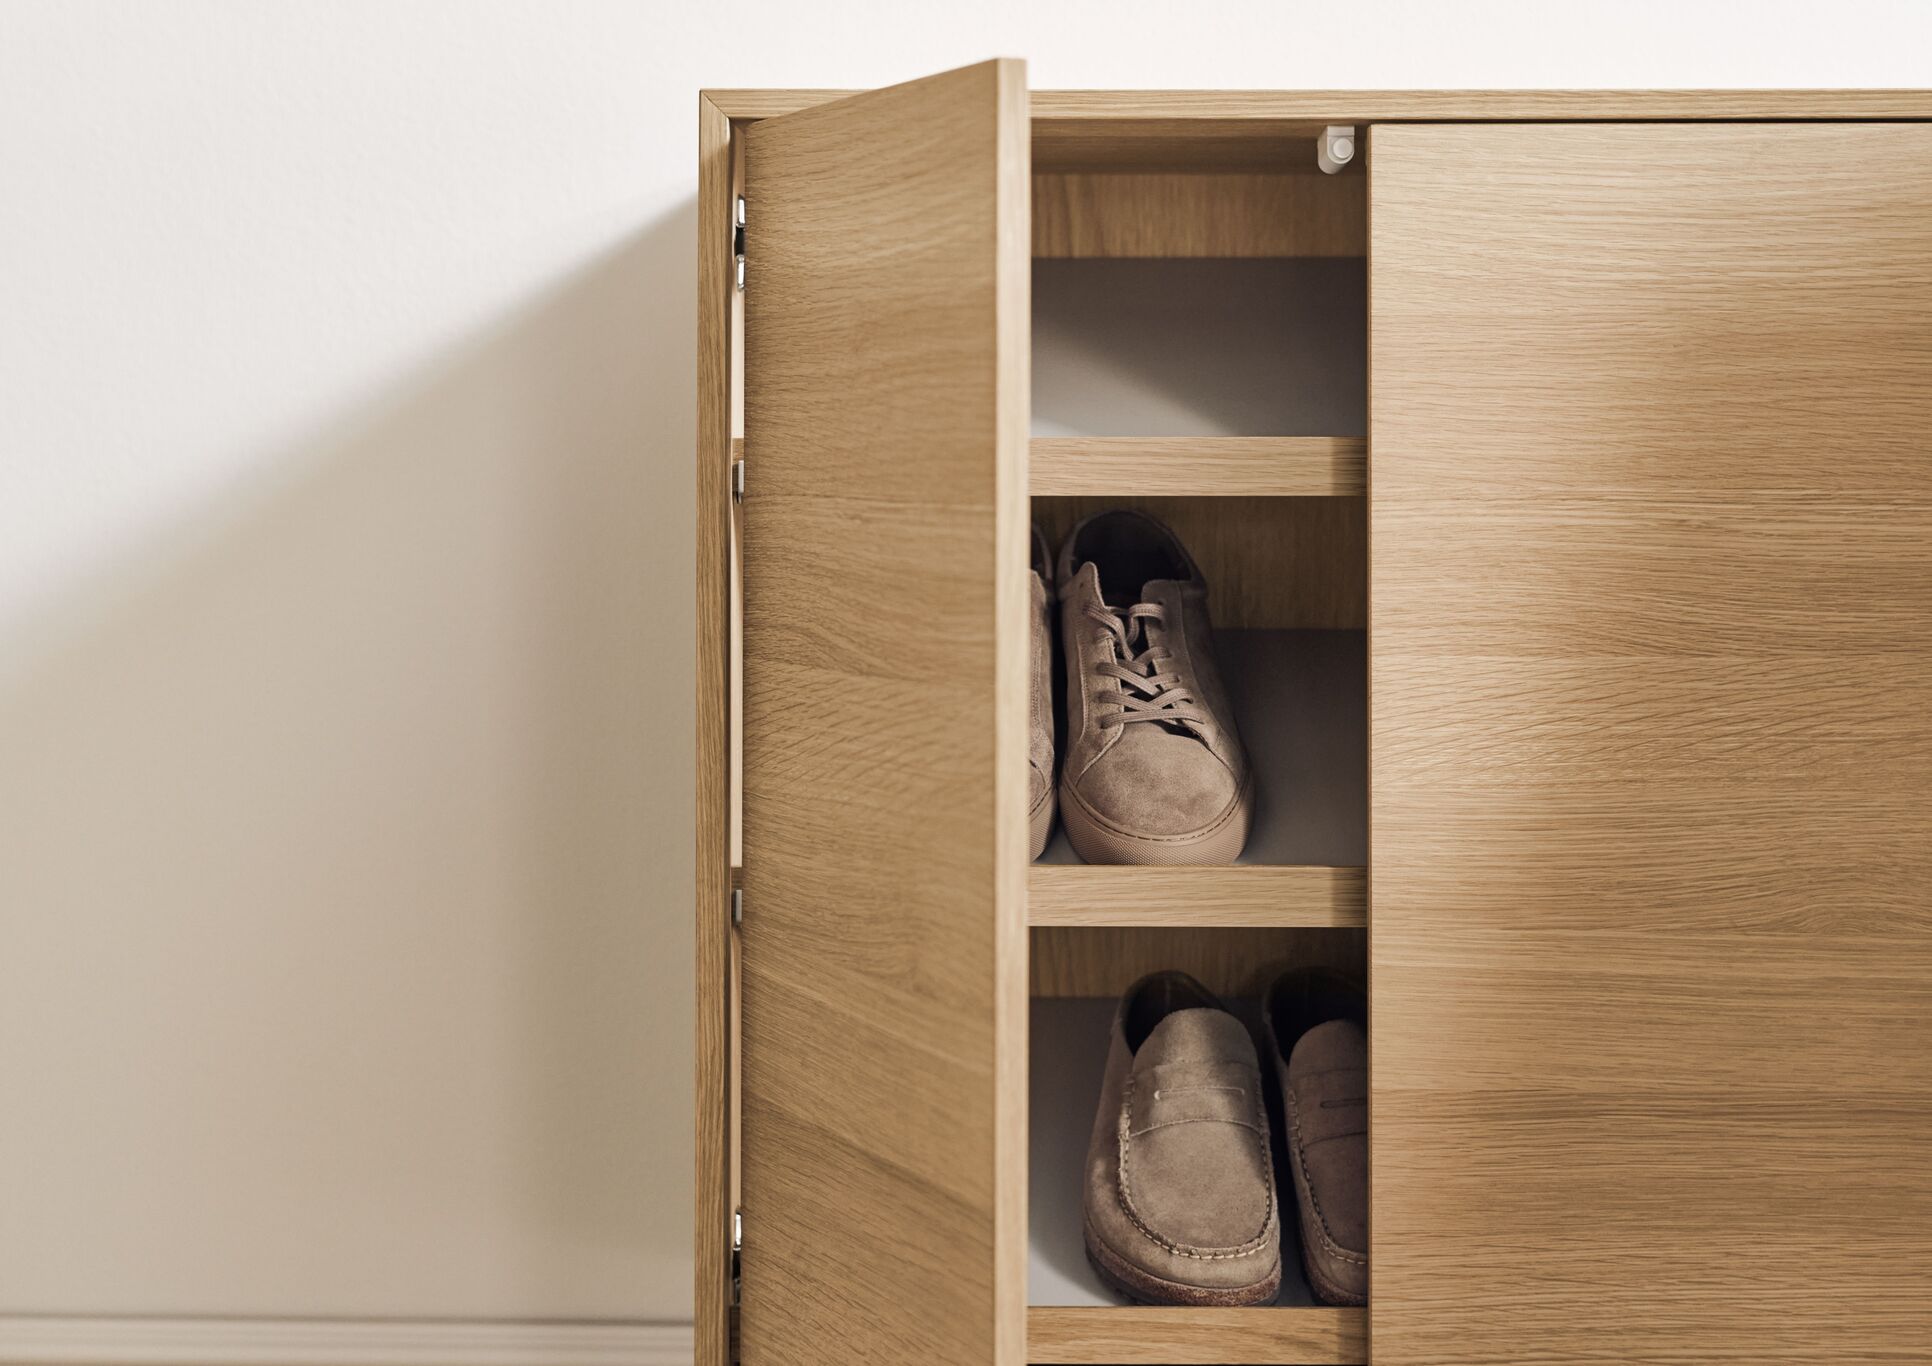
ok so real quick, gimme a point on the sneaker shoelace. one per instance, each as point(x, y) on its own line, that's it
point(1148, 688)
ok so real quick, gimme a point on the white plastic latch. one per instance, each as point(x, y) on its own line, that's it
point(1335, 148)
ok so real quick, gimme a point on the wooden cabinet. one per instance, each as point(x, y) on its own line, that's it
point(1562, 469)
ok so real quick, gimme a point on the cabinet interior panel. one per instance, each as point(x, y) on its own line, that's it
point(1188, 214)
point(1222, 347)
point(1272, 564)
point(1088, 960)
point(1200, 466)
point(1238, 894)
point(1079, 142)
point(1161, 1336)
point(1300, 700)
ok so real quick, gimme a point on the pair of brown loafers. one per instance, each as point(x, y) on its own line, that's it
point(1152, 768)
point(1181, 1204)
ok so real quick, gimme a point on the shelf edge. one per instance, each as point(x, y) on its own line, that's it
point(1130, 1336)
point(1218, 466)
point(1250, 895)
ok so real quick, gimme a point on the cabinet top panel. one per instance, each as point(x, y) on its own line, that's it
point(1226, 130)
point(1317, 107)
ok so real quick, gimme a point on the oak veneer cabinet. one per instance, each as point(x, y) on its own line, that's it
point(1563, 469)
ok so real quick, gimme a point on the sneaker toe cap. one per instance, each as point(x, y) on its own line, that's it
point(1157, 782)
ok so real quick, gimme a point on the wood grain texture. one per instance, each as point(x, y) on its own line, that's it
point(1131, 1336)
point(1251, 895)
point(712, 1199)
point(1651, 775)
point(1013, 674)
point(1274, 130)
point(1088, 960)
point(884, 1011)
point(1079, 214)
point(1152, 145)
point(1317, 108)
point(1271, 563)
point(1200, 467)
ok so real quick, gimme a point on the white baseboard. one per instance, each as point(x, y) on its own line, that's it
point(32, 1340)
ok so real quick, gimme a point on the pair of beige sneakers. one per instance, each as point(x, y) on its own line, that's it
point(1152, 769)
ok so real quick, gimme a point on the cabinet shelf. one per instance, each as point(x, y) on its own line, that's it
point(1251, 895)
point(1218, 466)
point(1186, 1337)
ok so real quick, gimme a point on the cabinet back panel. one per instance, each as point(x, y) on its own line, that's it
point(1271, 563)
point(1158, 143)
point(1263, 347)
point(1188, 214)
point(1089, 960)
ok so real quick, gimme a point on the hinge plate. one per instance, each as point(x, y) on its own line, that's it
point(737, 481)
point(737, 1249)
point(738, 243)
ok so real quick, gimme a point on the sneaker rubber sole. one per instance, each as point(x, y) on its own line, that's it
point(1098, 841)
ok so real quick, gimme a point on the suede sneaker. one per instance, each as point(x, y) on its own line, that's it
point(1039, 742)
point(1153, 770)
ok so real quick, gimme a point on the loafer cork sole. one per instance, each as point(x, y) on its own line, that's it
point(1097, 841)
point(1142, 1288)
point(1325, 1290)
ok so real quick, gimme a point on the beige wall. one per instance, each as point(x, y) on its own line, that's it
point(345, 662)
point(344, 963)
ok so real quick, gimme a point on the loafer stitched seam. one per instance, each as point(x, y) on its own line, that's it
point(1122, 1187)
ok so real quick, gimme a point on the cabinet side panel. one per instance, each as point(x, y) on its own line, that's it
point(1012, 669)
point(1651, 760)
point(711, 1244)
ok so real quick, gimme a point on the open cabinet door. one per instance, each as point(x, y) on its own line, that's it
point(883, 939)
point(1651, 633)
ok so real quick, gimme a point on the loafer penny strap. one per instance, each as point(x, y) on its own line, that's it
point(1194, 1093)
point(1330, 1104)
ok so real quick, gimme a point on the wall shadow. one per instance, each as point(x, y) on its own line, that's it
point(346, 857)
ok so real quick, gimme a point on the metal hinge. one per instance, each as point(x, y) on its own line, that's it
point(737, 1247)
point(737, 481)
point(738, 242)
point(737, 906)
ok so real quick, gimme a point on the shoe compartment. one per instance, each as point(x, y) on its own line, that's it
point(1214, 348)
point(1200, 354)
point(1078, 977)
point(1187, 291)
point(1286, 578)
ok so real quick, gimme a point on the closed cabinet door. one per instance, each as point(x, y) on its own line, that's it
point(1651, 775)
point(883, 952)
